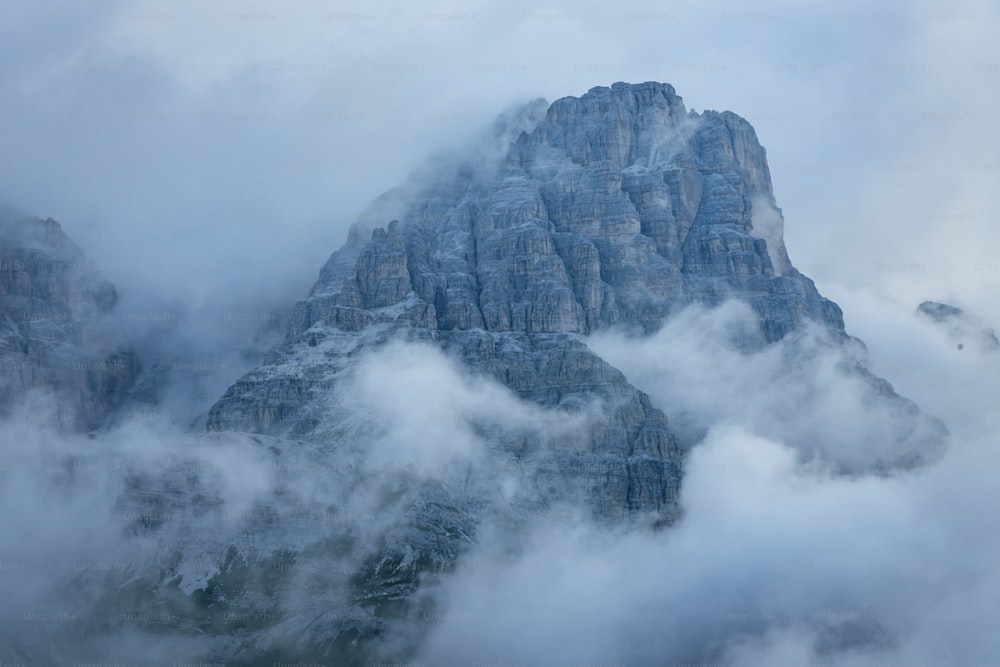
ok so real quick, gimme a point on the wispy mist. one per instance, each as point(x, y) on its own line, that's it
point(209, 158)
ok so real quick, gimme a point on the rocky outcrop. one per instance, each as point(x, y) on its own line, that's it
point(52, 342)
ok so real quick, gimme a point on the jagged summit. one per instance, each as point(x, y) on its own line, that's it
point(615, 209)
point(629, 206)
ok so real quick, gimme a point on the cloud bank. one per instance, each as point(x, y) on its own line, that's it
point(776, 560)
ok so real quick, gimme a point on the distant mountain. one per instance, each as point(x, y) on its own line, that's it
point(55, 340)
point(963, 328)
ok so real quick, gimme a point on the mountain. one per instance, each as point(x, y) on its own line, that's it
point(615, 210)
point(55, 337)
point(963, 328)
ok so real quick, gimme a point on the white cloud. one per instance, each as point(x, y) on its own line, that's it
point(768, 224)
point(774, 562)
point(430, 416)
point(800, 391)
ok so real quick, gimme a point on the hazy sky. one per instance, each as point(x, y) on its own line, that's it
point(219, 150)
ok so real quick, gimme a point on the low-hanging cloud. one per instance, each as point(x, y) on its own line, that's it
point(113, 538)
point(775, 561)
point(804, 391)
point(431, 415)
point(777, 558)
point(768, 224)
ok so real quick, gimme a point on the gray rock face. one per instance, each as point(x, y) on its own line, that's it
point(51, 301)
point(618, 208)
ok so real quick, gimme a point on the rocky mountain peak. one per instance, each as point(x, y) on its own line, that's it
point(612, 210)
point(628, 206)
point(615, 210)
